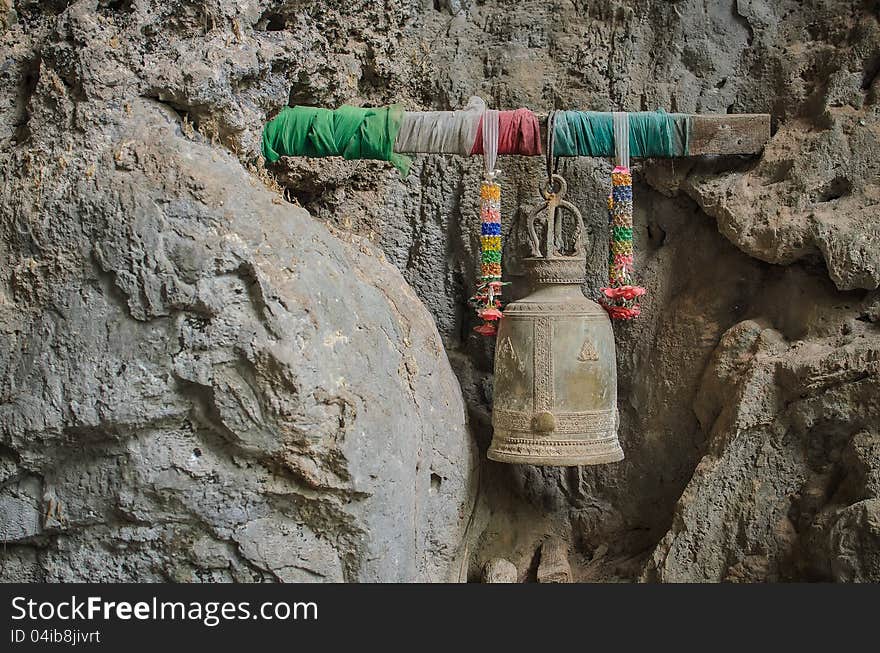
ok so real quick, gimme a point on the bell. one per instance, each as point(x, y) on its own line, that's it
point(555, 396)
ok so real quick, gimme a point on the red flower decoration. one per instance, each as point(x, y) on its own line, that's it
point(487, 329)
point(627, 293)
point(490, 314)
point(622, 312)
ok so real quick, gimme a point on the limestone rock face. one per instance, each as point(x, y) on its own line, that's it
point(782, 491)
point(814, 193)
point(198, 381)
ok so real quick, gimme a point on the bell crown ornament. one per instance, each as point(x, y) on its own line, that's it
point(555, 395)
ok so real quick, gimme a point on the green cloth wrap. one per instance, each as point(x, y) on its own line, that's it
point(583, 133)
point(350, 132)
point(651, 133)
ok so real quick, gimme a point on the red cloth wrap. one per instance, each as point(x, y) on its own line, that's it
point(518, 133)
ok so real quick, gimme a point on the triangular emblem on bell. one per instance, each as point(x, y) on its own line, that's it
point(555, 395)
point(588, 352)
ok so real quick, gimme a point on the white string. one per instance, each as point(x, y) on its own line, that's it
point(621, 138)
point(490, 142)
point(446, 132)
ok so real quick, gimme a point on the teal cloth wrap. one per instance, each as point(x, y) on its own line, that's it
point(651, 134)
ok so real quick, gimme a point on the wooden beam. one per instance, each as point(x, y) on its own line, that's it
point(744, 133)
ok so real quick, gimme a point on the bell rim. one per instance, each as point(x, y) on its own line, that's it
point(615, 455)
point(576, 452)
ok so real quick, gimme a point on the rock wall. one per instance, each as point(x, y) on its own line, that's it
point(202, 382)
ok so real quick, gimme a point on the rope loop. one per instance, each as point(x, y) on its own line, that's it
point(621, 138)
point(551, 142)
point(490, 142)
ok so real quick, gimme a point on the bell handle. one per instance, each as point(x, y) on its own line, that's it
point(554, 204)
point(581, 236)
point(534, 243)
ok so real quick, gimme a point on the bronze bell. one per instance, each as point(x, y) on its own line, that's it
point(555, 396)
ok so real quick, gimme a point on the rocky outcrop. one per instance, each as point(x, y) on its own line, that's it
point(784, 490)
point(183, 397)
point(201, 382)
point(812, 194)
point(499, 570)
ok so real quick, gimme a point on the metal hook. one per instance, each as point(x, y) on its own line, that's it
point(552, 189)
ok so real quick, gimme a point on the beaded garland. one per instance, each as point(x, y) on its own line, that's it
point(487, 298)
point(620, 298)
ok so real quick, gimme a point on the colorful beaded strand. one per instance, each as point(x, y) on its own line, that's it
point(487, 299)
point(620, 298)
